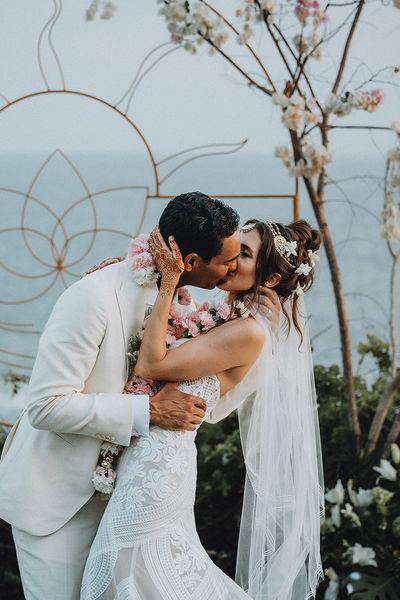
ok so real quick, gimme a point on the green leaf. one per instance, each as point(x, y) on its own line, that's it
point(369, 586)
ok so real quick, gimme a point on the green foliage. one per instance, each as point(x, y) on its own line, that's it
point(221, 482)
point(372, 586)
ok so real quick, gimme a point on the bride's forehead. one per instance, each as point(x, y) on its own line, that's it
point(251, 239)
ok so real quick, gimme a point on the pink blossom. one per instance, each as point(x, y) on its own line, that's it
point(137, 385)
point(138, 245)
point(193, 317)
point(184, 297)
point(174, 314)
point(193, 329)
point(206, 320)
point(171, 339)
point(224, 311)
point(142, 261)
point(203, 306)
point(178, 328)
point(106, 471)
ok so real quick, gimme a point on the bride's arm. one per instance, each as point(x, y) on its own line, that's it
point(234, 344)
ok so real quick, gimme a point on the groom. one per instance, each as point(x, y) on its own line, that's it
point(75, 400)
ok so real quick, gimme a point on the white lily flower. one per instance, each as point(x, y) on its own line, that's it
point(395, 451)
point(332, 591)
point(386, 470)
point(303, 269)
point(336, 494)
point(349, 513)
point(336, 497)
point(363, 556)
point(290, 248)
point(360, 499)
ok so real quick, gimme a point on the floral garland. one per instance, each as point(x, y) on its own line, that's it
point(188, 324)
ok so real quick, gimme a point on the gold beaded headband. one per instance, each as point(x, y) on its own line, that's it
point(284, 248)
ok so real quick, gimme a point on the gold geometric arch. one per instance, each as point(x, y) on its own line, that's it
point(56, 245)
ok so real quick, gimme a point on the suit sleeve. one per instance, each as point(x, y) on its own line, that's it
point(67, 352)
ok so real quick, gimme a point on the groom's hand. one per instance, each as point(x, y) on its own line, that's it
point(173, 409)
point(270, 306)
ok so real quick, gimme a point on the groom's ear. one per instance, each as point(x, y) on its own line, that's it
point(273, 280)
point(190, 261)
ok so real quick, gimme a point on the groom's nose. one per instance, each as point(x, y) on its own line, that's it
point(232, 267)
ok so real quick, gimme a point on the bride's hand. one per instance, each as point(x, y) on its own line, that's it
point(168, 260)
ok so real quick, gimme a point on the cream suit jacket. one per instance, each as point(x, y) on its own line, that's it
point(75, 401)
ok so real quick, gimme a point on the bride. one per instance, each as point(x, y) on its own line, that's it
point(147, 546)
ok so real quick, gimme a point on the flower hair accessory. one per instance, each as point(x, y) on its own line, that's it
point(284, 248)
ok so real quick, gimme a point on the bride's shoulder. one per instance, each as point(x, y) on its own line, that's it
point(247, 330)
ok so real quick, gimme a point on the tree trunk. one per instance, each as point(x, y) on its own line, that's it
point(336, 278)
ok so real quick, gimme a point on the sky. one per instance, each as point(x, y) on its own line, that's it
point(184, 101)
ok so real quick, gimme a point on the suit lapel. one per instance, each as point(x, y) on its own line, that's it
point(132, 300)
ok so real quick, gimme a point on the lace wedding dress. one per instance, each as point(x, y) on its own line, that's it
point(147, 546)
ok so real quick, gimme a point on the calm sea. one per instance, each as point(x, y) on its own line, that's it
point(71, 196)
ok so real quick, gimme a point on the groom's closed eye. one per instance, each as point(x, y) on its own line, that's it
point(227, 262)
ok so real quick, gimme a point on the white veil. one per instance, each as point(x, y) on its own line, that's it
point(279, 542)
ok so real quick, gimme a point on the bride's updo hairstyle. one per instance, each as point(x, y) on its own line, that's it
point(293, 261)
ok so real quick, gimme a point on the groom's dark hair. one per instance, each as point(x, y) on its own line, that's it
point(198, 223)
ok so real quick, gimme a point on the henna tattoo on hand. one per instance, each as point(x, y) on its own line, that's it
point(168, 261)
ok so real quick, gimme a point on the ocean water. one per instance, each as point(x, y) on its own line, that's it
point(51, 203)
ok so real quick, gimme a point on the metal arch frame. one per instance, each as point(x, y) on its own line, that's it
point(59, 265)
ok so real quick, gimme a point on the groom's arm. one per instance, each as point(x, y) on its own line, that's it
point(68, 350)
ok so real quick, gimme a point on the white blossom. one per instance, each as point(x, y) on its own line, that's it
point(396, 126)
point(386, 470)
point(303, 269)
point(363, 556)
point(313, 258)
point(342, 105)
point(290, 248)
point(299, 291)
point(336, 496)
point(316, 157)
point(362, 498)
point(190, 24)
point(108, 10)
point(308, 44)
point(395, 451)
point(332, 591)
point(349, 513)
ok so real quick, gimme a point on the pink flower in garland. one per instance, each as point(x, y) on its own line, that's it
point(138, 245)
point(206, 320)
point(137, 385)
point(142, 261)
point(224, 311)
point(184, 297)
